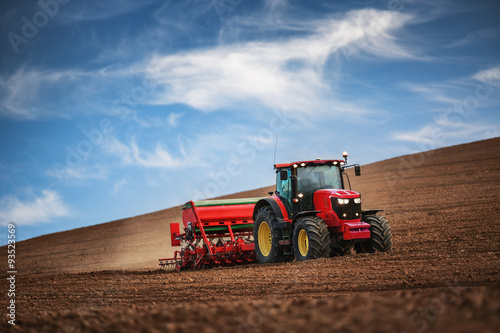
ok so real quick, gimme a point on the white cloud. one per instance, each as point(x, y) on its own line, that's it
point(462, 100)
point(426, 135)
point(99, 10)
point(476, 36)
point(445, 132)
point(132, 154)
point(118, 186)
point(435, 92)
point(202, 150)
point(491, 76)
point(460, 92)
point(284, 74)
point(173, 118)
point(40, 209)
point(182, 15)
point(65, 173)
point(35, 93)
point(272, 17)
point(22, 92)
point(281, 74)
point(160, 158)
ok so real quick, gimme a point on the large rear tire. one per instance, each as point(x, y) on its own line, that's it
point(311, 238)
point(266, 237)
point(381, 236)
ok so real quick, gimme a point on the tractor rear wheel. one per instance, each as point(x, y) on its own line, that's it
point(381, 236)
point(311, 238)
point(266, 237)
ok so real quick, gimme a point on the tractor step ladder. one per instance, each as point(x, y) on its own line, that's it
point(286, 236)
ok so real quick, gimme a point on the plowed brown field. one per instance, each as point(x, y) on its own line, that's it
point(442, 276)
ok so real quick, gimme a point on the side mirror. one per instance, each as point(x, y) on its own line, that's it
point(283, 175)
point(357, 170)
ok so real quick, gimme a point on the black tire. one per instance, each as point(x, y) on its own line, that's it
point(341, 251)
point(381, 236)
point(318, 238)
point(275, 252)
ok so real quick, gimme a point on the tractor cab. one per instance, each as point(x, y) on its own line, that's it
point(297, 182)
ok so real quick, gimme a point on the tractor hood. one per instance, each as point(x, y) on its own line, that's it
point(345, 194)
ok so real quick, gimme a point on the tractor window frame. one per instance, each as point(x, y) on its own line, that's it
point(284, 189)
point(317, 174)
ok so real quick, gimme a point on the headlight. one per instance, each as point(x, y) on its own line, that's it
point(357, 200)
point(343, 201)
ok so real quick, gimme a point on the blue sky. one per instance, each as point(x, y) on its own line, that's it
point(112, 109)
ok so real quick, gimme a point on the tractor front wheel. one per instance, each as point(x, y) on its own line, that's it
point(381, 236)
point(311, 238)
point(343, 250)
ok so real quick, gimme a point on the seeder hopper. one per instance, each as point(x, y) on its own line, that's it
point(216, 233)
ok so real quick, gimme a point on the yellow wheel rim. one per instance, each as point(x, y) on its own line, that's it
point(265, 239)
point(303, 241)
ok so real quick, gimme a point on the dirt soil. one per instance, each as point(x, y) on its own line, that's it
point(442, 276)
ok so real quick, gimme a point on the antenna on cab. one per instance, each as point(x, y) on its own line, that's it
point(275, 148)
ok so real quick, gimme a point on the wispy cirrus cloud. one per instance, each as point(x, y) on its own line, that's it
point(475, 37)
point(209, 147)
point(442, 133)
point(44, 208)
point(21, 92)
point(437, 92)
point(83, 11)
point(455, 91)
point(283, 74)
point(458, 102)
point(490, 76)
point(131, 154)
point(173, 118)
point(80, 173)
point(34, 93)
point(182, 15)
point(118, 187)
point(279, 74)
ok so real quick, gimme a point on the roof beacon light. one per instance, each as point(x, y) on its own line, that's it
point(344, 154)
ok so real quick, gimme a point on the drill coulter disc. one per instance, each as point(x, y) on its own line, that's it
point(168, 265)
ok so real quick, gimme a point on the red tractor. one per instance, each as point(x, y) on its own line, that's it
point(310, 215)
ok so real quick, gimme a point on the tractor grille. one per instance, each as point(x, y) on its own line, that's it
point(347, 211)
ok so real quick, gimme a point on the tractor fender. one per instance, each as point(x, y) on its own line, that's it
point(268, 202)
point(371, 212)
point(305, 213)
